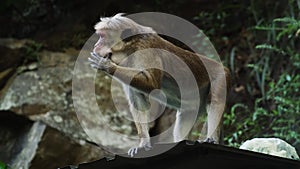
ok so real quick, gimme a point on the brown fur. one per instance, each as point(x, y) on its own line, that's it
point(208, 73)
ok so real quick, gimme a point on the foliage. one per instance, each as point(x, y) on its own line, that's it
point(275, 71)
point(32, 50)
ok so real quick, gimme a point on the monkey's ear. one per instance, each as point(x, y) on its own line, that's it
point(126, 34)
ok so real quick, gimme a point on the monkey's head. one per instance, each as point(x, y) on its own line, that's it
point(112, 31)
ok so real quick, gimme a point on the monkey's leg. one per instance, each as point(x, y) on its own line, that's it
point(213, 124)
point(142, 128)
point(183, 125)
point(216, 109)
point(139, 108)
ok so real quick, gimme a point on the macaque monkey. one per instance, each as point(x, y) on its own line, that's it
point(116, 44)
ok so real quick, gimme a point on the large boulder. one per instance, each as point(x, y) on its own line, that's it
point(271, 146)
point(41, 91)
point(25, 144)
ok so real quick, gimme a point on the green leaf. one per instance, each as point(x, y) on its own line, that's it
point(285, 19)
point(2, 165)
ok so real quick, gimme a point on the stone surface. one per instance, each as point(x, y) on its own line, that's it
point(25, 144)
point(29, 146)
point(272, 146)
point(56, 150)
point(10, 60)
point(189, 155)
point(42, 91)
point(45, 94)
point(15, 132)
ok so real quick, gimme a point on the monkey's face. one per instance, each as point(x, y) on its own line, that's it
point(110, 45)
point(107, 38)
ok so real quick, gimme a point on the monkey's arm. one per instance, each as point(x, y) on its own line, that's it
point(142, 79)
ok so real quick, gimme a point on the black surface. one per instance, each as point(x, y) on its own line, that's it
point(13, 133)
point(195, 156)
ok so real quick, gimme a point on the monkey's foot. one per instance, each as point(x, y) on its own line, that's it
point(134, 150)
point(208, 140)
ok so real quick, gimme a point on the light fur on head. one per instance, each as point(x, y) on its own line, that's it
point(119, 22)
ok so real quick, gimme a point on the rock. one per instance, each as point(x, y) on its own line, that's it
point(10, 60)
point(42, 91)
point(191, 155)
point(34, 145)
point(18, 142)
point(45, 94)
point(271, 146)
point(56, 150)
point(29, 146)
point(14, 43)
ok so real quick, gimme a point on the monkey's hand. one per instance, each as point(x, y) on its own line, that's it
point(101, 63)
point(143, 144)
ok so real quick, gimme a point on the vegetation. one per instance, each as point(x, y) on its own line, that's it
point(32, 50)
point(274, 81)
